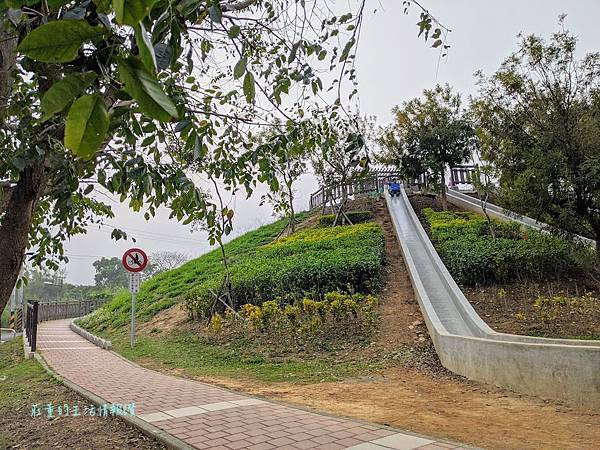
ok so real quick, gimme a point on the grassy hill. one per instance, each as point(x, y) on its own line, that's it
point(314, 259)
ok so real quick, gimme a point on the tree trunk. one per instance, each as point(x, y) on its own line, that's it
point(292, 212)
point(443, 188)
point(15, 226)
point(595, 223)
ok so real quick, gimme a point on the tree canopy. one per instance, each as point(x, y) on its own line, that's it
point(539, 124)
point(428, 135)
point(130, 98)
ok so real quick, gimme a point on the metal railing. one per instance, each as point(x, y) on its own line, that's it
point(66, 310)
point(36, 312)
point(375, 180)
point(371, 183)
point(4, 331)
point(31, 321)
point(461, 174)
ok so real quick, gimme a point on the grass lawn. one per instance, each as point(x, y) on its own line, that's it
point(24, 383)
point(198, 357)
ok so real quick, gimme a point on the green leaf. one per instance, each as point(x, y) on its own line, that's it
point(249, 87)
point(347, 49)
point(294, 52)
point(234, 31)
point(55, 4)
point(87, 125)
point(58, 41)
point(145, 47)
point(144, 88)
point(103, 6)
point(215, 13)
point(240, 68)
point(437, 43)
point(64, 92)
point(131, 12)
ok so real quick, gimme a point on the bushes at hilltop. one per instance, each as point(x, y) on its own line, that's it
point(473, 256)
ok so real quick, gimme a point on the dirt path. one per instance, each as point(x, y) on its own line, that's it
point(455, 409)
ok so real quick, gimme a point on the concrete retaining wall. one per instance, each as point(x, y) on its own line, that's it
point(102, 343)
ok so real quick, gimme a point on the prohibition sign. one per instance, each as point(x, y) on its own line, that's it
point(134, 260)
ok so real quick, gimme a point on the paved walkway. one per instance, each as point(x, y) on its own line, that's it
point(205, 416)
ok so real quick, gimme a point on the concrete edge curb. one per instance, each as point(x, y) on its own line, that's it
point(148, 429)
point(98, 341)
point(26, 347)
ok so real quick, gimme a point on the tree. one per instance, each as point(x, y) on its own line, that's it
point(129, 98)
point(110, 273)
point(482, 180)
point(44, 285)
point(340, 159)
point(428, 135)
point(284, 156)
point(162, 261)
point(539, 116)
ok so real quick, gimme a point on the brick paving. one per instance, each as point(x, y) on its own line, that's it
point(206, 416)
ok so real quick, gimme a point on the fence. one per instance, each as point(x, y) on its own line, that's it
point(376, 179)
point(371, 183)
point(66, 310)
point(36, 312)
point(31, 321)
point(461, 174)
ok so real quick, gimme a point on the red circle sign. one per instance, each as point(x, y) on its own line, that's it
point(135, 260)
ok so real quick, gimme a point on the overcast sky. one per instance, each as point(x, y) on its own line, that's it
point(393, 66)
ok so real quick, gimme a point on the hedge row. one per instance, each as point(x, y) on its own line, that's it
point(355, 217)
point(472, 255)
point(313, 260)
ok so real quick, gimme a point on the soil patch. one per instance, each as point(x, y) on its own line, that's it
point(455, 409)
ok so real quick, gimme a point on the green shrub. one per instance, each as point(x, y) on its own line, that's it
point(338, 312)
point(355, 217)
point(314, 260)
point(472, 255)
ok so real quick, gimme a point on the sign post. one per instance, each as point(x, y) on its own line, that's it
point(134, 260)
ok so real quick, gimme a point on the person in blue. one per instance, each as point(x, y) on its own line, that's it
point(394, 188)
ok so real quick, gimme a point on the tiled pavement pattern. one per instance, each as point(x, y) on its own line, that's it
point(205, 416)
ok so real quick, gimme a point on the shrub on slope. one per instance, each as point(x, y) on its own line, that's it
point(473, 256)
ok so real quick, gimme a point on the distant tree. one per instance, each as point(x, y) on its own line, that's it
point(428, 135)
point(284, 155)
point(482, 180)
point(44, 284)
point(164, 260)
point(341, 158)
point(110, 273)
point(539, 115)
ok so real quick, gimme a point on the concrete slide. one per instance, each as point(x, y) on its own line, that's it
point(564, 369)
